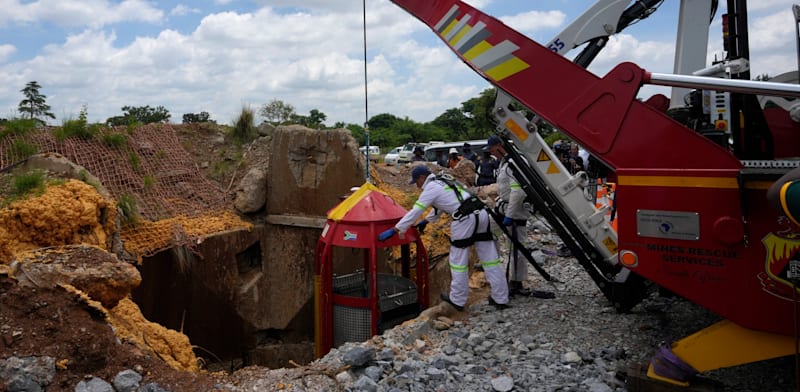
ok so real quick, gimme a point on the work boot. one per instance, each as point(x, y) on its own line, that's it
point(497, 305)
point(515, 288)
point(446, 298)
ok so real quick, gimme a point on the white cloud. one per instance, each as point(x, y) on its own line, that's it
point(531, 21)
point(94, 13)
point(303, 56)
point(6, 51)
point(770, 32)
point(181, 10)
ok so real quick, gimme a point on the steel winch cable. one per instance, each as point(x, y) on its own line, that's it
point(366, 95)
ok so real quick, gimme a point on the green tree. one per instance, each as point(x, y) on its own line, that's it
point(316, 119)
point(277, 112)
point(140, 114)
point(34, 105)
point(201, 117)
point(456, 122)
point(382, 121)
point(479, 111)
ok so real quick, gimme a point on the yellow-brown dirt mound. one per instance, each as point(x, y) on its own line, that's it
point(68, 213)
point(171, 346)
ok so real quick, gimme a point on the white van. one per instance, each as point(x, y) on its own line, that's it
point(439, 153)
point(374, 152)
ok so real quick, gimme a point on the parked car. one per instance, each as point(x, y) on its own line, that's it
point(393, 157)
point(374, 152)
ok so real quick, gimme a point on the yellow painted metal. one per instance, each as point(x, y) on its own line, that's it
point(682, 182)
point(517, 130)
point(477, 50)
point(317, 317)
point(338, 213)
point(506, 69)
point(726, 344)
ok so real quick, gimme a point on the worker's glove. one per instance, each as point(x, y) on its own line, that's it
point(507, 221)
point(421, 226)
point(386, 234)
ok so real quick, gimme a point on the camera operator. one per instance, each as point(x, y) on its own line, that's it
point(568, 154)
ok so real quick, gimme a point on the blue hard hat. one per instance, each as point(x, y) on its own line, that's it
point(492, 141)
point(419, 170)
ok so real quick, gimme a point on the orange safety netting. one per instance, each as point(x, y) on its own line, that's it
point(146, 164)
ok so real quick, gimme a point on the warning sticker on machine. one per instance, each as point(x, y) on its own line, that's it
point(668, 224)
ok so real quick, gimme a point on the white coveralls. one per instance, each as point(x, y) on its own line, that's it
point(442, 198)
point(513, 197)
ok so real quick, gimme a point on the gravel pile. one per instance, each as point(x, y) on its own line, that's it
point(574, 342)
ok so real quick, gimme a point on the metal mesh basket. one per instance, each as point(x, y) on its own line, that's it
point(352, 324)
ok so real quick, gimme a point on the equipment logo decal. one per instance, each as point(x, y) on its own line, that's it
point(348, 236)
point(496, 61)
point(782, 263)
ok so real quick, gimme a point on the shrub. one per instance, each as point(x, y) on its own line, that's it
point(244, 128)
point(128, 209)
point(149, 181)
point(77, 128)
point(18, 126)
point(22, 150)
point(134, 160)
point(25, 183)
point(116, 140)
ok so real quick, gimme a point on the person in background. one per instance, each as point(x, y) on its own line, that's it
point(453, 159)
point(470, 230)
point(511, 206)
point(576, 163)
point(469, 154)
point(487, 169)
point(419, 154)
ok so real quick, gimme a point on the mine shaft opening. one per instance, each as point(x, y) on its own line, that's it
point(175, 293)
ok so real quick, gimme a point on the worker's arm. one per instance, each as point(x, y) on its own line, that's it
point(784, 195)
point(426, 199)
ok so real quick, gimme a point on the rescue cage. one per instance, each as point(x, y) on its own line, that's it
point(397, 300)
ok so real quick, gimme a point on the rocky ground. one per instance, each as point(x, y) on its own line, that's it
point(574, 342)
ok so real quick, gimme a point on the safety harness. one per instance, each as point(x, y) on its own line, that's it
point(470, 206)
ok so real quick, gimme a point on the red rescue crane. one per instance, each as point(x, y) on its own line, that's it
point(690, 195)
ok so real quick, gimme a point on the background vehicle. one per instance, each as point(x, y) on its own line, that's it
point(407, 152)
point(438, 152)
point(691, 206)
point(393, 156)
point(374, 152)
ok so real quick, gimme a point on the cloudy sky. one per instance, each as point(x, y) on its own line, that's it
point(219, 56)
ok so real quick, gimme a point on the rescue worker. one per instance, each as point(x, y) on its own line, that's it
point(419, 154)
point(487, 169)
point(469, 154)
point(511, 199)
point(453, 159)
point(465, 231)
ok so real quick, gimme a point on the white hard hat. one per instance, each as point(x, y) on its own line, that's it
point(453, 151)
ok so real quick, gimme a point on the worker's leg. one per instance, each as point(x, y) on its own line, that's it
point(459, 275)
point(459, 262)
point(492, 266)
point(519, 266)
